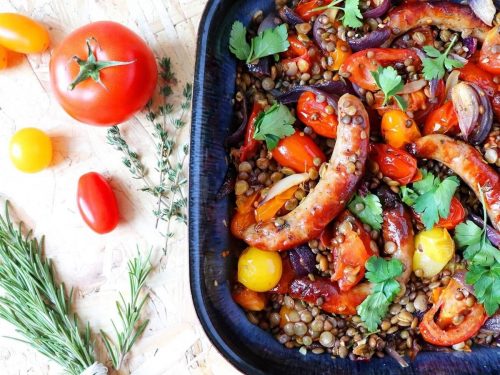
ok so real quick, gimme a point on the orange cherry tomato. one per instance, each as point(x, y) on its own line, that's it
point(455, 217)
point(359, 66)
point(250, 144)
point(340, 55)
point(298, 152)
point(3, 58)
point(22, 34)
point(268, 210)
point(314, 114)
point(249, 299)
point(442, 120)
point(489, 58)
point(398, 129)
point(394, 163)
point(305, 8)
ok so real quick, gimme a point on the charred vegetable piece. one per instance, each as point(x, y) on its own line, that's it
point(314, 111)
point(442, 120)
point(298, 152)
point(396, 164)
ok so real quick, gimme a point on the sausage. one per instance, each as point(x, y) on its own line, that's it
point(466, 162)
point(336, 186)
point(397, 228)
point(443, 14)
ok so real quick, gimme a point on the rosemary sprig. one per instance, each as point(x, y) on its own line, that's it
point(38, 306)
point(171, 201)
point(129, 313)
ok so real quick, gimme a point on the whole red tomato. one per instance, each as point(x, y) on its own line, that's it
point(103, 73)
point(97, 203)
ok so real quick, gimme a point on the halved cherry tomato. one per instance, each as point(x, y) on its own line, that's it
point(298, 152)
point(314, 114)
point(301, 53)
point(456, 216)
point(250, 144)
point(334, 300)
point(442, 120)
point(97, 203)
point(442, 333)
point(340, 55)
point(3, 58)
point(22, 34)
point(398, 129)
point(305, 8)
point(249, 299)
point(489, 58)
point(268, 210)
point(394, 163)
point(472, 73)
point(352, 253)
point(359, 66)
point(451, 306)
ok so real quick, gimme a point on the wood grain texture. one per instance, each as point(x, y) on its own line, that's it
point(174, 342)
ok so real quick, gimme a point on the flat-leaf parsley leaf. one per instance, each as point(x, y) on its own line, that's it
point(371, 212)
point(436, 64)
point(390, 82)
point(352, 15)
point(238, 41)
point(274, 124)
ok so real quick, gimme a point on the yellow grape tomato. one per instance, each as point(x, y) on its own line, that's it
point(259, 270)
point(22, 34)
point(30, 150)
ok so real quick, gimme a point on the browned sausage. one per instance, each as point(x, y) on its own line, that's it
point(466, 162)
point(336, 186)
point(443, 14)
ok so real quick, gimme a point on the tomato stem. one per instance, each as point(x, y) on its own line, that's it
point(91, 68)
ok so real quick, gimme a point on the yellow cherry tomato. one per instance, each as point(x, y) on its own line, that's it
point(398, 129)
point(22, 34)
point(433, 250)
point(30, 150)
point(3, 58)
point(259, 270)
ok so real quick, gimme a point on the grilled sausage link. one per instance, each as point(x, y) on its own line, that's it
point(336, 186)
point(466, 162)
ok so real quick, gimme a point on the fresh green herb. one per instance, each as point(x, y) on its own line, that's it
point(436, 64)
point(382, 274)
point(267, 43)
point(430, 197)
point(483, 263)
point(37, 305)
point(390, 82)
point(368, 209)
point(352, 14)
point(274, 124)
point(167, 124)
point(129, 313)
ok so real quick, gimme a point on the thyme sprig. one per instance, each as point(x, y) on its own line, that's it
point(36, 304)
point(167, 123)
point(129, 313)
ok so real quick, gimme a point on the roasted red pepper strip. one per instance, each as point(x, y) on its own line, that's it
point(250, 145)
point(315, 114)
point(443, 332)
point(394, 163)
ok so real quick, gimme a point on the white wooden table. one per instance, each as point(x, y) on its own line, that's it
point(174, 342)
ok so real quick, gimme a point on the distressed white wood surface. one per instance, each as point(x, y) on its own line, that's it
point(95, 265)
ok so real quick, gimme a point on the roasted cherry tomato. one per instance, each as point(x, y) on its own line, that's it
point(250, 144)
point(244, 216)
point(287, 276)
point(97, 203)
point(300, 56)
point(442, 120)
point(474, 74)
point(3, 58)
point(30, 150)
point(435, 327)
point(394, 163)
point(22, 34)
point(351, 254)
point(259, 270)
point(398, 129)
point(456, 216)
point(319, 115)
point(298, 152)
point(249, 299)
point(489, 58)
point(305, 8)
point(103, 73)
point(340, 55)
point(359, 65)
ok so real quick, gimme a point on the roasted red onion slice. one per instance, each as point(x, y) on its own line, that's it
point(466, 103)
point(379, 10)
point(289, 16)
point(471, 44)
point(318, 30)
point(303, 260)
point(372, 40)
point(491, 232)
point(269, 22)
point(260, 68)
point(493, 324)
point(293, 95)
point(459, 276)
point(483, 128)
point(484, 9)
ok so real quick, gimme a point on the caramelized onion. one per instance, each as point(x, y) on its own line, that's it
point(285, 184)
point(413, 86)
point(466, 103)
point(484, 9)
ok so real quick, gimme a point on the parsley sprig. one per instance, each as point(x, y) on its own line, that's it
point(430, 197)
point(352, 15)
point(382, 274)
point(371, 213)
point(266, 43)
point(436, 64)
point(483, 263)
point(274, 124)
point(390, 82)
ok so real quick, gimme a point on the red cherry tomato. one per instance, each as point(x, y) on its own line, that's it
point(394, 163)
point(97, 203)
point(489, 58)
point(305, 8)
point(474, 74)
point(250, 144)
point(301, 54)
point(442, 120)
point(122, 90)
point(314, 114)
point(456, 216)
point(298, 152)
